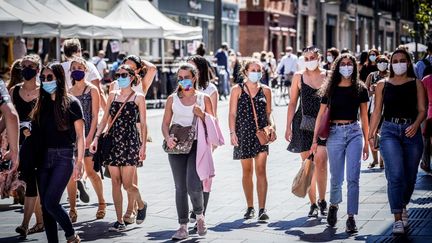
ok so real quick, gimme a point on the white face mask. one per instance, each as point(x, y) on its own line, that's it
point(346, 71)
point(382, 66)
point(254, 76)
point(330, 59)
point(311, 65)
point(400, 68)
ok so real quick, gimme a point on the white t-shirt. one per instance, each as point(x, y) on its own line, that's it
point(100, 65)
point(91, 74)
point(211, 88)
point(289, 62)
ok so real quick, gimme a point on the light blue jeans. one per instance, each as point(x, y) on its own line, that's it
point(402, 157)
point(345, 145)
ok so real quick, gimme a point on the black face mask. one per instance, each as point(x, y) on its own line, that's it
point(28, 73)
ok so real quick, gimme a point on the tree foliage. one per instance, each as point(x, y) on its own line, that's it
point(424, 17)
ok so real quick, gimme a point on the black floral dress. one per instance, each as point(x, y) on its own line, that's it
point(301, 140)
point(249, 146)
point(126, 141)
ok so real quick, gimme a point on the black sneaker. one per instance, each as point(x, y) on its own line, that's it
point(322, 204)
point(262, 215)
point(192, 218)
point(250, 213)
point(351, 226)
point(117, 227)
point(83, 195)
point(141, 214)
point(332, 215)
point(313, 212)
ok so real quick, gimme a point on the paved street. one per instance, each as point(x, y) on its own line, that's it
point(288, 221)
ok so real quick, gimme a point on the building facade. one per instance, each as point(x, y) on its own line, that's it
point(267, 25)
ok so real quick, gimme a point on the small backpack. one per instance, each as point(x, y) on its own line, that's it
point(428, 67)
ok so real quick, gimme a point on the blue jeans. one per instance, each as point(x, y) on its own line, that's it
point(53, 177)
point(402, 157)
point(345, 145)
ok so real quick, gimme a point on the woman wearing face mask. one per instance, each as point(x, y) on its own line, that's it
point(207, 87)
point(401, 142)
point(242, 124)
point(24, 97)
point(332, 54)
point(182, 107)
point(345, 95)
point(305, 86)
point(370, 64)
point(88, 95)
point(58, 116)
point(145, 72)
point(128, 149)
point(371, 83)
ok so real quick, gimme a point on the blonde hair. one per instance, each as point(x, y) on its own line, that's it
point(248, 62)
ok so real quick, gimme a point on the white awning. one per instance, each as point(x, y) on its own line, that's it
point(26, 23)
point(171, 29)
point(131, 23)
point(77, 22)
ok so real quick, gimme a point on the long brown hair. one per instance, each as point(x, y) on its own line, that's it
point(15, 74)
point(203, 70)
point(410, 70)
point(61, 102)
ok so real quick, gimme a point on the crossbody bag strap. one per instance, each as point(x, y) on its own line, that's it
point(253, 108)
point(382, 101)
point(199, 98)
point(118, 112)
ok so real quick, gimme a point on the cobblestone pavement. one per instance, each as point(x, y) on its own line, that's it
point(288, 214)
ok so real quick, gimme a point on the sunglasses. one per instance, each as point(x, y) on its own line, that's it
point(123, 75)
point(49, 77)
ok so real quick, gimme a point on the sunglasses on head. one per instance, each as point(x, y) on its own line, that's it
point(49, 77)
point(123, 75)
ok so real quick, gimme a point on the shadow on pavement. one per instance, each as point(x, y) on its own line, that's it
point(299, 222)
point(16, 238)
point(8, 207)
point(237, 224)
point(329, 234)
point(374, 170)
point(419, 217)
point(97, 230)
point(165, 236)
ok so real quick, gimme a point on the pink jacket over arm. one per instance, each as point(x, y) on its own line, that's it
point(204, 158)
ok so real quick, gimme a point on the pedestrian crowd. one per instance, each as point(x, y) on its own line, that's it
point(340, 109)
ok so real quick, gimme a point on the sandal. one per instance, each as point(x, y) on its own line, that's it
point(22, 230)
point(73, 215)
point(75, 239)
point(37, 228)
point(381, 164)
point(129, 218)
point(372, 165)
point(100, 214)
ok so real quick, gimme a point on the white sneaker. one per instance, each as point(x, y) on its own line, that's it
point(201, 225)
point(398, 227)
point(181, 234)
point(405, 217)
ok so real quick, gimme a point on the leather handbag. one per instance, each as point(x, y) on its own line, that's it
point(264, 135)
point(184, 137)
point(302, 181)
point(105, 142)
point(324, 128)
point(307, 123)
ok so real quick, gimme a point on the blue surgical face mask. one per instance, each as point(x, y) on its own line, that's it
point(123, 82)
point(185, 84)
point(372, 58)
point(254, 76)
point(50, 86)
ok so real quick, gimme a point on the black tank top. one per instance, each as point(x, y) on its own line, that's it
point(400, 101)
point(23, 108)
